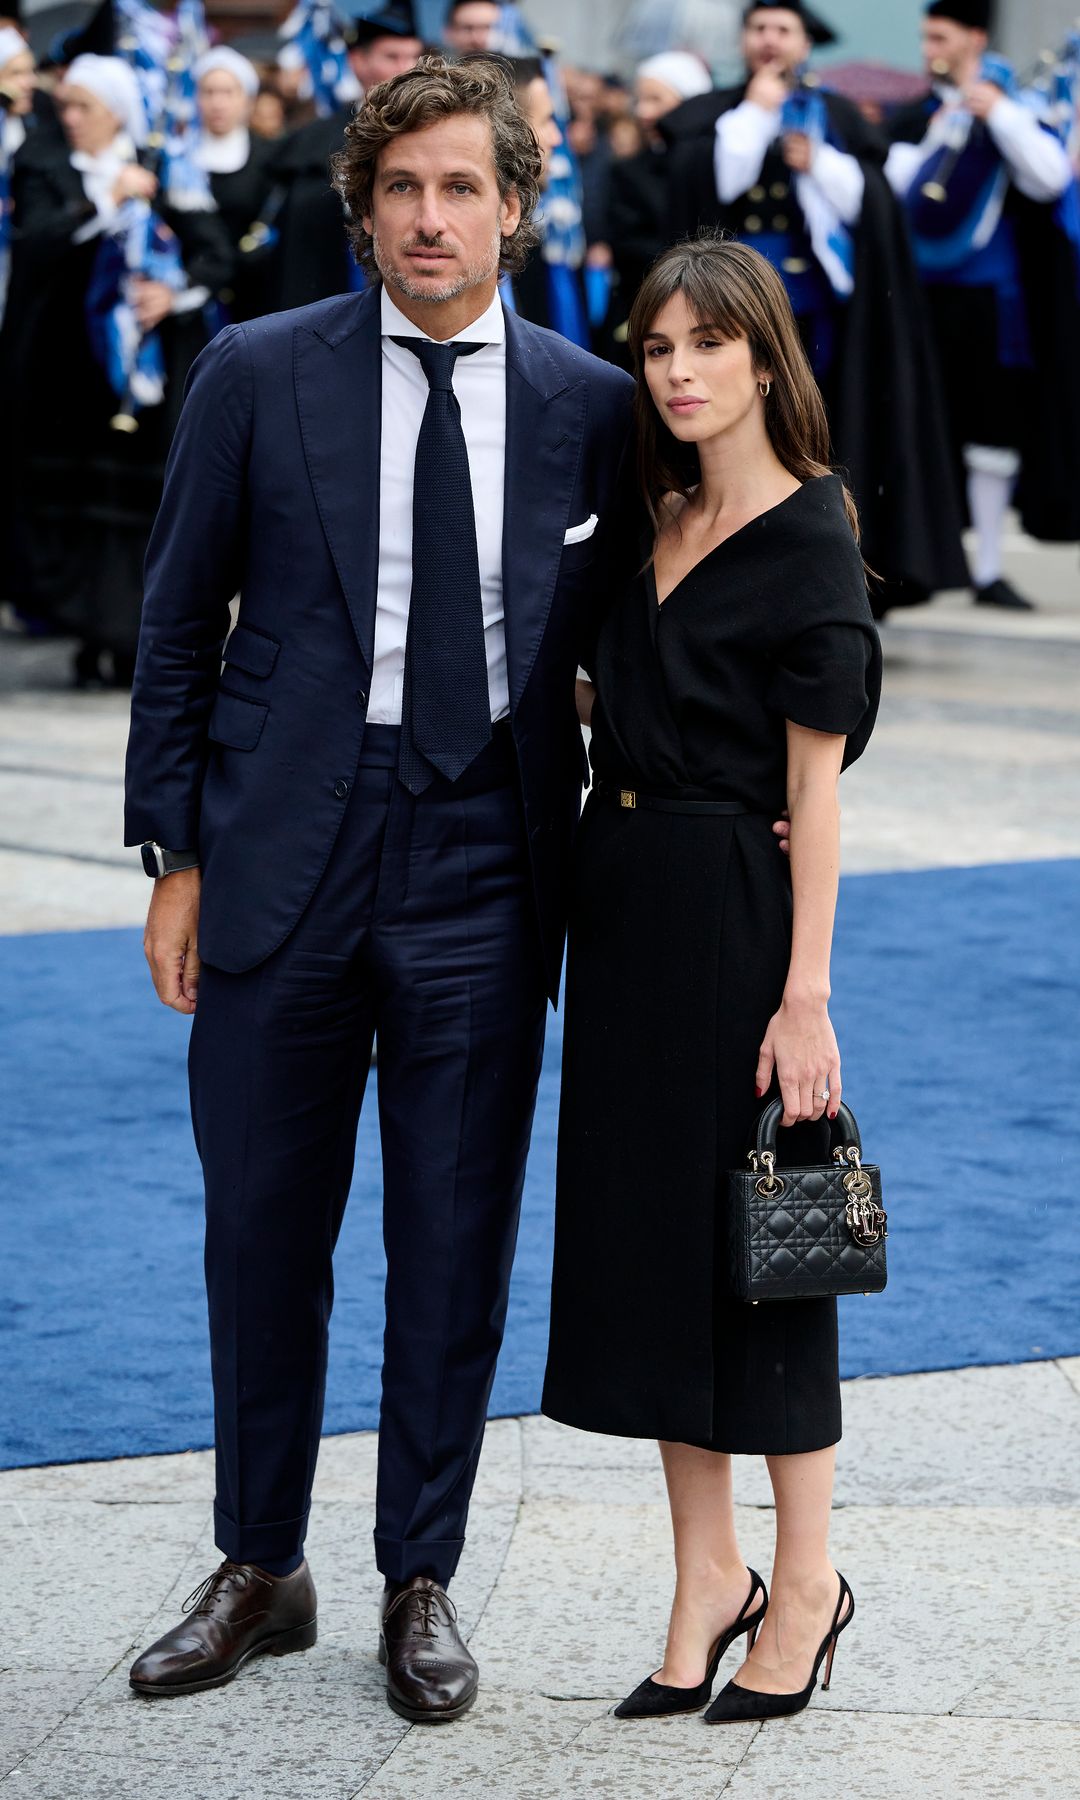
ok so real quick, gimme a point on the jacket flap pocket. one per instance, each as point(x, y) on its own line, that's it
point(235, 721)
point(251, 650)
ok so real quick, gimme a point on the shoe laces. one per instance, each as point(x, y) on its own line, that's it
point(209, 1592)
point(429, 1602)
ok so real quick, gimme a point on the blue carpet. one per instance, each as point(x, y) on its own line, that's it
point(957, 998)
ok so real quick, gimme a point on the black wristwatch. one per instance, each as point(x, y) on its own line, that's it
point(157, 861)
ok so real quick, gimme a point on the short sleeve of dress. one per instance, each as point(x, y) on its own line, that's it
point(828, 678)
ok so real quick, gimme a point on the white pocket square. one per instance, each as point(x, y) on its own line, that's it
point(578, 533)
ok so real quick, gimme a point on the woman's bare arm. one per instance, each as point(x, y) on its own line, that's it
point(800, 1043)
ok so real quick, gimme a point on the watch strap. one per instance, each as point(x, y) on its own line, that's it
point(157, 861)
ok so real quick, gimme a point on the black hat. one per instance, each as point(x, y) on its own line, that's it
point(975, 14)
point(92, 35)
point(367, 21)
point(816, 29)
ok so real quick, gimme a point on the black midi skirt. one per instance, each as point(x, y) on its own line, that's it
point(679, 945)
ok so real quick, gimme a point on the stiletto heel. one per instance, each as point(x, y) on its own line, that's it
point(651, 1700)
point(751, 1638)
point(743, 1704)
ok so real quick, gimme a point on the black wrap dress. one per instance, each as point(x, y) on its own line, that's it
point(680, 939)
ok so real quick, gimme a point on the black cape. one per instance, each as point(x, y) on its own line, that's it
point(313, 256)
point(1048, 492)
point(241, 198)
point(637, 218)
point(887, 421)
point(83, 495)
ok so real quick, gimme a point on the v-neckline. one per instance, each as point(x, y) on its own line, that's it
point(722, 545)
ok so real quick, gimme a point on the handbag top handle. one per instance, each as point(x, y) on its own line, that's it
point(843, 1129)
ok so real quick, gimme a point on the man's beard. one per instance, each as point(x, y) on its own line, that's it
point(472, 275)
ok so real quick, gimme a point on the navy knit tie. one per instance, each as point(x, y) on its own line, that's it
point(445, 708)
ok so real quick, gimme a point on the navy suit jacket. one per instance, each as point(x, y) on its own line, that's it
point(272, 490)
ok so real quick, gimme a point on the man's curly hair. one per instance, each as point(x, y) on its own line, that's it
point(434, 90)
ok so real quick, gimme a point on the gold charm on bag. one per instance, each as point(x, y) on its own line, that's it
point(771, 1184)
point(866, 1220)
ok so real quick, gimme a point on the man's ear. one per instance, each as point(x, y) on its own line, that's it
point(511, 214)
point(368, 223)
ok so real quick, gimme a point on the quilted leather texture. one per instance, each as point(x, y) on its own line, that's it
point(796, 1245)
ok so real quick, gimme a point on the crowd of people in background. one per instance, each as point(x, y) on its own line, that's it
point(155, 185)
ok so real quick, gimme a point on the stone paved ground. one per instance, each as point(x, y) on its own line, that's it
point(958, 1496)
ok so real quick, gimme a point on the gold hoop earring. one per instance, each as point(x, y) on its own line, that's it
point(764, 388)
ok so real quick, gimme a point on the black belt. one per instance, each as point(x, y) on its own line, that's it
point(633, 798)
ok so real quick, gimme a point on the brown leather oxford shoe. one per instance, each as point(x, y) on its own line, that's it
point(238, 1612)
point(430, 1676)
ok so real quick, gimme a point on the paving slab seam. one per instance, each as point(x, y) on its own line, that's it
point(388, 1758)
point(520, 1435)
point(749, 1746)
point(1059, 1364)
point(121, 1662)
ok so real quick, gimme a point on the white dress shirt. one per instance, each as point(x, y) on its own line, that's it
point(480, 386)
point(744, 136)
point(1038, 162)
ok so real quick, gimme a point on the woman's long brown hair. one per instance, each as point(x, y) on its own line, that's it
point(733, 289)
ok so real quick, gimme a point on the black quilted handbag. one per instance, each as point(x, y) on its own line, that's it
point(800, 1234)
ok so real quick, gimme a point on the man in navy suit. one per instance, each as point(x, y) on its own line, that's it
point(362, 824)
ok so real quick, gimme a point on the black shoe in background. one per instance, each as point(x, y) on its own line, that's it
point(1002, 593)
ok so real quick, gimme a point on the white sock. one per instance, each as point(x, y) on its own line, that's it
point(991, 477)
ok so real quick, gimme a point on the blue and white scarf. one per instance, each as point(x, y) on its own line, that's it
point(805, 110)
point(139, 244)
point(311, 40)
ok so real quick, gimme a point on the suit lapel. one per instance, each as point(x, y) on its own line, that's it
point(545, 416)
point(338, 375)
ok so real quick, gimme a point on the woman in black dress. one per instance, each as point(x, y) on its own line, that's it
point(737, 671)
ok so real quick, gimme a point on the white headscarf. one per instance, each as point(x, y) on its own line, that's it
point(684, 74)
point(114, 84)
point(233, 64)
point(12, 44)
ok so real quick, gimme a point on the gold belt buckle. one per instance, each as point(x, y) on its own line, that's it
point(627, 798)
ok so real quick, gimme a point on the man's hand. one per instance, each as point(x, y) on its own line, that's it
point(782, 831)
point(768, 90)
point(134, 183)
point(798, 151)
point(981, 99)
point(170, 940)
point(151, 301)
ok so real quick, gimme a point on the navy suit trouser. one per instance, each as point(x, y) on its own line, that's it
point(422, 931)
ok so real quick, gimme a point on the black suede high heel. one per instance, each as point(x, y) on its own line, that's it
point(653, 1701)
point(743, 1704)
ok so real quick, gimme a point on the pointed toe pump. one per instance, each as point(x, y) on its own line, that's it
point(654, 1701)
point(743, 1704)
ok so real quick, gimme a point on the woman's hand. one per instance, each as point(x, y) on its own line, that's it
point(800, 1045)
point(134, 183)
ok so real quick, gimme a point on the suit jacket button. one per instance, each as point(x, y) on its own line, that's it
point(341, 788)
point(361, 697)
